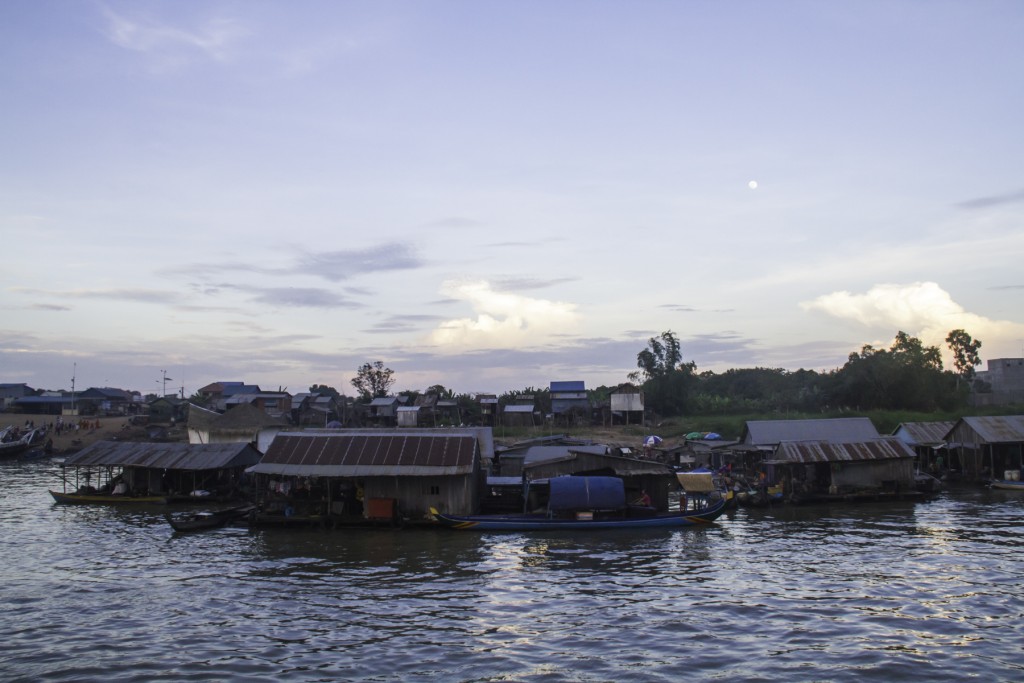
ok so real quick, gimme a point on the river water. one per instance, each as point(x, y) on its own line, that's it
point(927, 591)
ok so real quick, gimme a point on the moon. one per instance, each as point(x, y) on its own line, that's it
point(752, 184)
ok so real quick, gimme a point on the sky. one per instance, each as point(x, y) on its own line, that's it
point(497, 195)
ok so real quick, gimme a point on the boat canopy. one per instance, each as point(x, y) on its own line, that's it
point(587, 493)
point(696, 482)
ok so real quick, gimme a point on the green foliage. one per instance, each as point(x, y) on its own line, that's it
point(667, 380)
point(908, 376)
point(373, 380)
point(541, 398)
point(965, 352)
point(324, 390)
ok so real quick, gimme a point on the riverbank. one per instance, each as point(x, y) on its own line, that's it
point(79, 433)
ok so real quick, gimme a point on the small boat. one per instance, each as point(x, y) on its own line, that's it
point(1007, 484)
point(211, 519)
point(103, 498)
point(584, 503)
point(11, 444)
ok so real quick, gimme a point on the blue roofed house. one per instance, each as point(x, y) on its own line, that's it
point(569, 403)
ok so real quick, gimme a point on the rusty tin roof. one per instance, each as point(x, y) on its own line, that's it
point(886, 448)
point(167, 456)
point(370, 455)
point(924, 433)
point(997, 428)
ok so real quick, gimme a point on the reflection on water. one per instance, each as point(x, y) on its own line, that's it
point(925, 591)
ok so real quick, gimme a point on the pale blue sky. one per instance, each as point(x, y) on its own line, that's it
point(494, 195)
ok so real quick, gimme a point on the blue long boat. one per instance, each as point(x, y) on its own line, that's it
point(585, 503)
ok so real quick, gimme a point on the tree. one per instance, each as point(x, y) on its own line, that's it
point(373, 380)
point(965, 352)
point(324, 390)
point(907, 376)
point(666, 378)
point(662, 356)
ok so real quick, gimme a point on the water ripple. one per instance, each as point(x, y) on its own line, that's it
point(884, 592)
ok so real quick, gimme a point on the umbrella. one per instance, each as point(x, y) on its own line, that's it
point(652, 441)
point(711, 436)
point(695, 435)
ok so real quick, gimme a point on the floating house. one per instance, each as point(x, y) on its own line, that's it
point(638, 475)
point(175, 471)
point(989, 447)
point(365, 475)
point(928, 441)
point(768, 434)
point(821, 470)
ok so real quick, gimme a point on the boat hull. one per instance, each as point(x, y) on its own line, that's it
point(542, 522)
point(104, 499)
point(1008, 485)
point(211, 520)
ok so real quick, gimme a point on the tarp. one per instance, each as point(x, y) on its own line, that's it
point(587, 493)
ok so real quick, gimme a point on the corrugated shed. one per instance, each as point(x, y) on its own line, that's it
point(835, 430)
point(886, 448)
point(994, 428)
point(923, 433)
point(168, 456)
point(370, 455)
point(538, 454)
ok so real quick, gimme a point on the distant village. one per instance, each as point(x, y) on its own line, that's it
point(326, 459)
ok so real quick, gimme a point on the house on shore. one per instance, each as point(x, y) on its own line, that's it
point(9, 393)
point(1000, 384)
point(627, 405)
point(570, 404)
point(244, 423)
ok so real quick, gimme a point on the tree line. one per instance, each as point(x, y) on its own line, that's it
point(906, 376)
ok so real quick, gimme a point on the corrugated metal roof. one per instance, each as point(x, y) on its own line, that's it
point(568, 386)
point(885, 448)
point(168, 456)
point(998, 428)
point(836, 430)
point(536, 454)
point(923, 433)
point(518, 409)
point(370, 455)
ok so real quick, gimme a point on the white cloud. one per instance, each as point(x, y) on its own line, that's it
point(503, 320)
point(147, 35)
point(922, 309)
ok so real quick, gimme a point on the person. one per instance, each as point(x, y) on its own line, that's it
point(644, 499)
